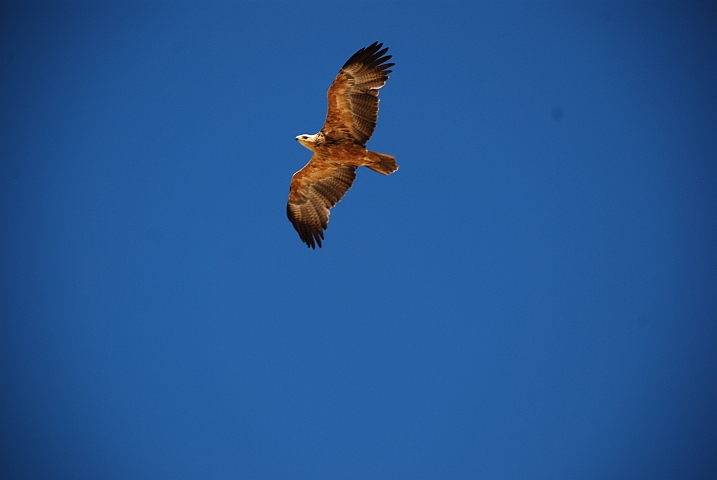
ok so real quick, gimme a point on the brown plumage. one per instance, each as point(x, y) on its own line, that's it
point(340, 147)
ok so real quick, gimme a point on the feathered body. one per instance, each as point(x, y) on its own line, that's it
point(340, 147)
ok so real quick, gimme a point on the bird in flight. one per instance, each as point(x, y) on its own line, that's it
point(340, 147)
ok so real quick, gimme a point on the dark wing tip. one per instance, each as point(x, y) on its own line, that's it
point(373, 54)
point(309, 236)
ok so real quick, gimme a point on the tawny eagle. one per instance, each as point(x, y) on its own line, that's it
point(340, 147)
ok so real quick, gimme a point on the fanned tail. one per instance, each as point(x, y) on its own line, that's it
point(385, 164)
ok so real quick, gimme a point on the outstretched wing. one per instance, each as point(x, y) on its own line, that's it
point(353, 97)
point(314, 190)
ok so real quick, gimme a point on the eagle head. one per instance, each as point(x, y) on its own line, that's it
point(309, 141)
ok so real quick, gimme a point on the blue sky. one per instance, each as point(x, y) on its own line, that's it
point(532, 295)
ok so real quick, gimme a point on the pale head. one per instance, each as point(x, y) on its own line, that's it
point(309, 141)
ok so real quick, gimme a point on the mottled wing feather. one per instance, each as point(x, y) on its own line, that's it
point(353, 97)
point(314, 190)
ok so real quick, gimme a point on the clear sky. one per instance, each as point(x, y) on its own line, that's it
point(532, 295)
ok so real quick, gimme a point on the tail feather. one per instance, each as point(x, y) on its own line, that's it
point(385, 165)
